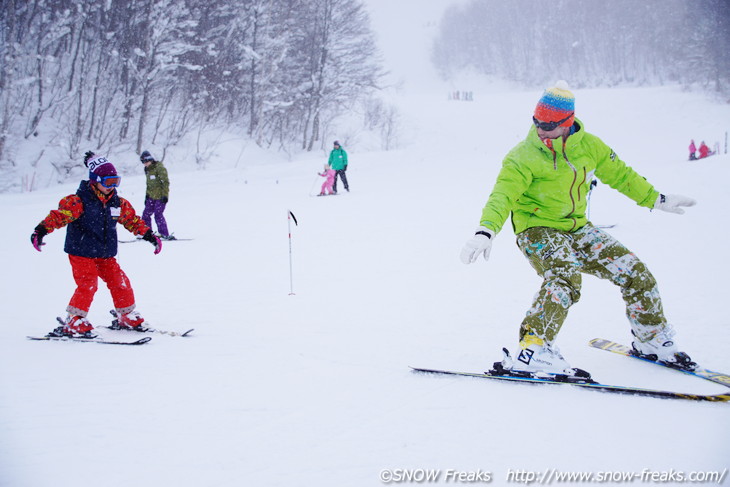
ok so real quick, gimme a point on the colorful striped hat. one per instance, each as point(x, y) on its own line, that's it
point(557, 103)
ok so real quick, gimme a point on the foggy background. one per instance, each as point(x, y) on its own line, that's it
point(287, 76)
point(591, 43)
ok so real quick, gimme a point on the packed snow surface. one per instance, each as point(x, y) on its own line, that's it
point(313, 388)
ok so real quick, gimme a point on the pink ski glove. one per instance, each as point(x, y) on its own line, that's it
point(37, 237)
point(154, 240)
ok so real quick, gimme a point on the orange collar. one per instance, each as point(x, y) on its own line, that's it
point(103, 197)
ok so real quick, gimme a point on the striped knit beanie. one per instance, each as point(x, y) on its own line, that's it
point(556, 104)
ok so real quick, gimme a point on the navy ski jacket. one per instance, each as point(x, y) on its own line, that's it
point(94, 233)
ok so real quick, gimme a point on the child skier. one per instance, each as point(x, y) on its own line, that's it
point(329, 174)
point(91, 244)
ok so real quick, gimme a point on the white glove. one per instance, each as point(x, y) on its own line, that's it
point(480, 243)
point(671, 203)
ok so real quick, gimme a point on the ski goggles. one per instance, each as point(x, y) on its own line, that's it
point(110, 181)
point(549, 126)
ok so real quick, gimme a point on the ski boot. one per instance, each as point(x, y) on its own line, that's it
point(74, 326)
point(538, 359)
point(661, 348)
point(128, 321)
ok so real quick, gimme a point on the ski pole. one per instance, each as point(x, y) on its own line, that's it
point(289, 217)
point(314, 184)
point(594, 183)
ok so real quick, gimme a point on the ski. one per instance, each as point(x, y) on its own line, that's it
point(141, 341)
point(115, 326)
point(596, 386)
point(154, 330)
point(163, 239)
point(700, 372)
point(61, 338)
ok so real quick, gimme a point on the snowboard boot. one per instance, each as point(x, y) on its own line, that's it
point(74, 326)
point(661, 348)
point(131, 321)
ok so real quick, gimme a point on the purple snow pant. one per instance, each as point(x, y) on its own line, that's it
point(157, 208)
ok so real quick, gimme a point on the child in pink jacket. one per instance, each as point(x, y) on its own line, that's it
point(329, 174)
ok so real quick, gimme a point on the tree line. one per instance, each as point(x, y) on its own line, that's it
point(590, 43)
point(126, 73)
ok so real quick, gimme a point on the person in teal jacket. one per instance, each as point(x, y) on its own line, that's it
point(338, 162)
point(543, 184)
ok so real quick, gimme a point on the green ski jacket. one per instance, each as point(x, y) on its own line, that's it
point(338, 159)
point(158, 184)
point(547, 186)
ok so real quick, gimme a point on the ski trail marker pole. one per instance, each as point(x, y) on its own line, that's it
point(290, 216)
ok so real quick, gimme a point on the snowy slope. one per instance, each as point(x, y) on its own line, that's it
point(313, 389)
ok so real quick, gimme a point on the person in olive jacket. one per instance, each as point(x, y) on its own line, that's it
point(338, 162)
point(157, 196)
point(544, 183)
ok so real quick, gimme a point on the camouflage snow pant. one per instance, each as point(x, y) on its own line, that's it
point(560, 257)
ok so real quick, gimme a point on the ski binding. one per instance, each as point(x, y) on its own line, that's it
point(115, 326)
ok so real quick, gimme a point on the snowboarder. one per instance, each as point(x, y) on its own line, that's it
point(338, 162)
point(692, 150)
point(157, 195)
point(543, 182)
point(91, 244)
point(329, 174)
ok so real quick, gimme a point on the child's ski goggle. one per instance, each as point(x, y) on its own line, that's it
point(110, 181)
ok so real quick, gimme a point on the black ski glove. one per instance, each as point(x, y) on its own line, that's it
point(164, 200)
point(154, 240)
point(37, 237)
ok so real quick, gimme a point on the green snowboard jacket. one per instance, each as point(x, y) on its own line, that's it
point(547, 187)
point(158, 184)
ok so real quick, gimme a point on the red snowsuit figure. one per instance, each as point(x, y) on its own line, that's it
point(91, 244)
point(704, 150)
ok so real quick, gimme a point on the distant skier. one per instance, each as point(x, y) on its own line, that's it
point(705, 150)
point(329, 174)
point(92, 215)
point(543, 183)
point(692, 150)
point(157, 194)
point(338, 162)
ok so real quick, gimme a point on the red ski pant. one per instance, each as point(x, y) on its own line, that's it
point(87, 271)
